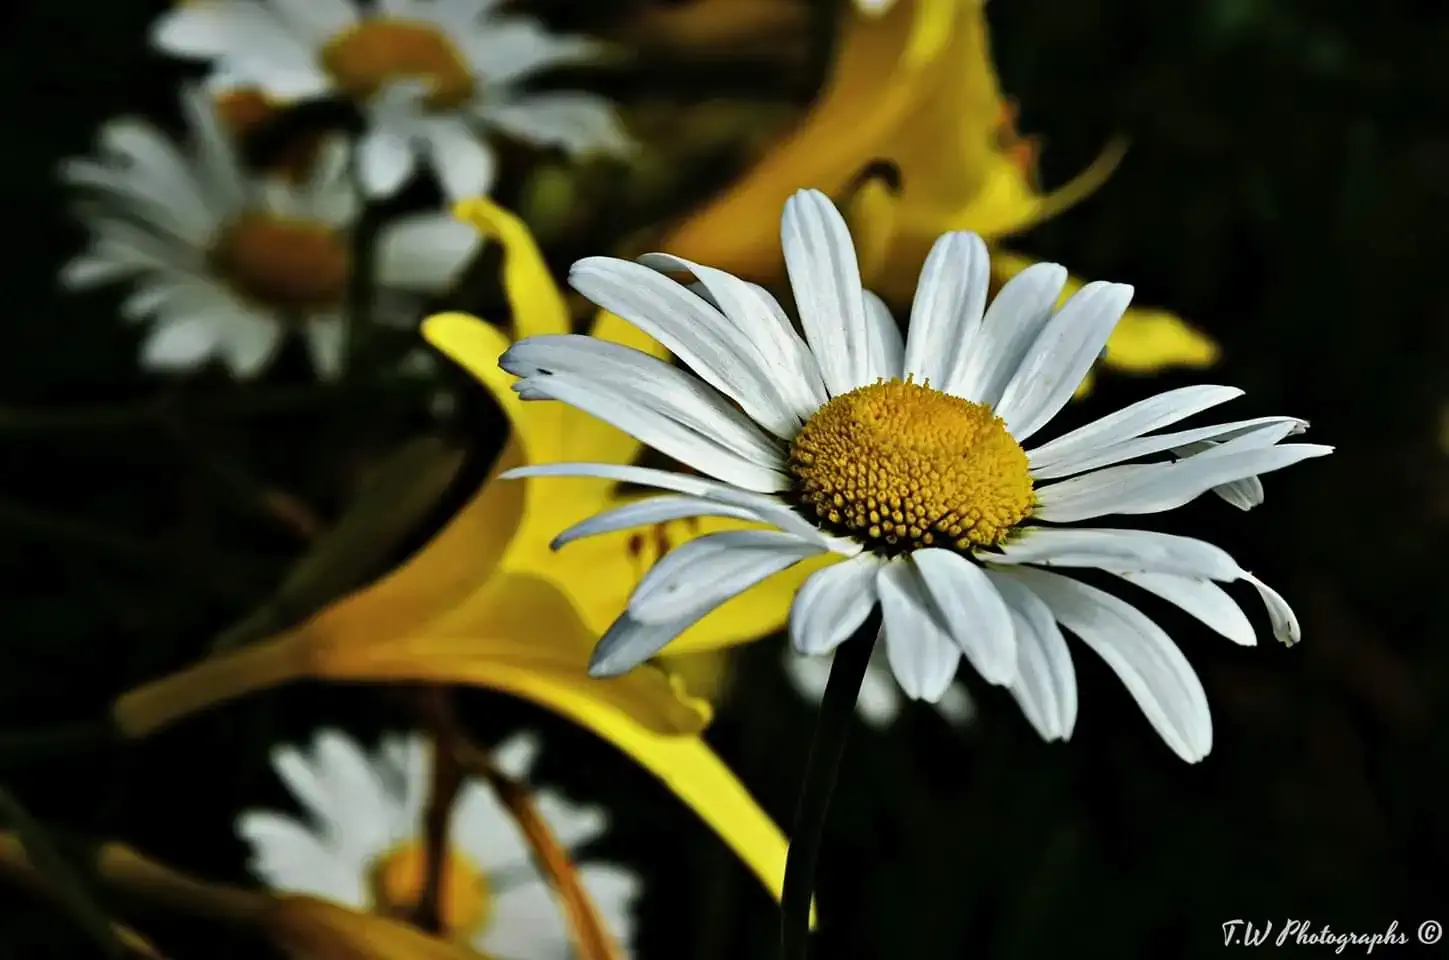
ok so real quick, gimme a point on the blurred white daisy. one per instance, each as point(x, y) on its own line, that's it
point(431, 76)
point(905, 460)
point(224, 263)
point(879, 700)
point(363, 846)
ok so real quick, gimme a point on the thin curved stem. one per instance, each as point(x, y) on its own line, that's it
point(837, 713)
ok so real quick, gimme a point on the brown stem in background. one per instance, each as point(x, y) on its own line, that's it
point(439, 715)
point(591, 938)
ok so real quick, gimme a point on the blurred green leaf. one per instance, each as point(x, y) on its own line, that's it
point(69, 887)
point(388, 507)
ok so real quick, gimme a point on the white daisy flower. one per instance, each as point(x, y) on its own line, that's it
point(879, 701)
point(363, 846)
point(224, 262)
point(906, 461)
point(431, 75)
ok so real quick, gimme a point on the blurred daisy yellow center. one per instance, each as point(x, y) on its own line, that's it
point(364, 58)
point(284, 263)
point(464, 900)
point(898, 465)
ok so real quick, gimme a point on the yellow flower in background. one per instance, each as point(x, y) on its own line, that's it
point(487, 603)
point(914, 85)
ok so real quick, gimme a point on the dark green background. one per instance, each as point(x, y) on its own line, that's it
point(1285, 190)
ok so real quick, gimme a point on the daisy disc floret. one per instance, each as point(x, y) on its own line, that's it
point(910, 461)
point(899, 465)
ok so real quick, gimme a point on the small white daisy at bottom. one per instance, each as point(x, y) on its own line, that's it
point(224, 262)
point(906, 460)
point(879, 700)
point(362, 846)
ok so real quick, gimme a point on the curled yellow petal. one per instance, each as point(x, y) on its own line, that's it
point(538, 304)
point(1145, 340)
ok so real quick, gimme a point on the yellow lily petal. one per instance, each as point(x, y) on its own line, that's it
point(1145, 340)
point(538, 305)
point(705, 675)
point(871, 93)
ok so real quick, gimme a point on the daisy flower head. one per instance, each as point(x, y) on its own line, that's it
point(431, 76)
point(909, 460)
point(363, 845)
point(224, 263)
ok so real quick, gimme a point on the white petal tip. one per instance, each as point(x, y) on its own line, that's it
point(606, 668)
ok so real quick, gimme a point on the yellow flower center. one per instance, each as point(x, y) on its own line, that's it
point(382, 50)
point(289, 265)
point(898, 466)
point(465, 903)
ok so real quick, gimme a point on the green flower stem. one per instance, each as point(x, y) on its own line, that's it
point(837, 713)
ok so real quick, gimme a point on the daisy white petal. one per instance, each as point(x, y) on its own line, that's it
point(578, 123)
point(218, 28)
point(1146, 660)
point(317, 20)
point(1266, 431)
point(425, 252)
point(465, 165)
point(946, 312)
point(658, 429)
point(1201, 598)
point(825, 277)
point(703, 573)
point(1243, 494)
point(641, 380)
point(1153, 488)
point(765, 326)
point(1280, 614)
point(325, 340)
point(249, 339)
point(1129, 423)
point(513, 47)
point(648, 512)
point(832, 604)
point(1135, 550)
point(386, 161)
point(972, 611)
point(290, 858)
point(688, 326)
point(1063, 352)
point(769, 509)
point(1008, 331)
point(1046, 682)
point(629, 642)
point(922, 655)
point(886, 350)
point(181, 343)
point(956, 706)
